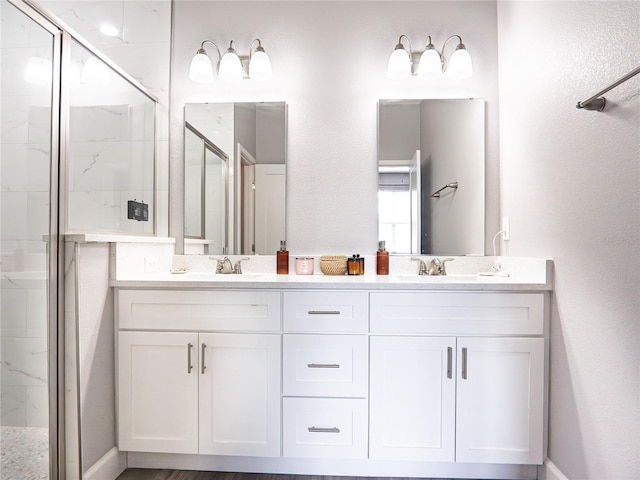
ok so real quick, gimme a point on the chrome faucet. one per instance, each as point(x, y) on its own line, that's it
point(435, 267)
point(224, 266)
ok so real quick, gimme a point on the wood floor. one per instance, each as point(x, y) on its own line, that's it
point(144, 474)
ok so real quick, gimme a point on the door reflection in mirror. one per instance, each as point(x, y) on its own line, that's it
point(235, 200)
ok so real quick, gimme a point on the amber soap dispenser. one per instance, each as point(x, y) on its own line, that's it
point(382, 259)
point(282, 259)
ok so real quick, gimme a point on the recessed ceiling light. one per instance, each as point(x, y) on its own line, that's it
point(109, 30)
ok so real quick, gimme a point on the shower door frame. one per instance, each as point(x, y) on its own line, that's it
point(55, 257)
point(62, 425)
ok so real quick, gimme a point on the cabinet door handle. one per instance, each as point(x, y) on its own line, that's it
point(464, 363)
point(323, 430)
point(449, 362)
point(203, 366)
point(189, 366)
point(323, 365)
point(324, 312)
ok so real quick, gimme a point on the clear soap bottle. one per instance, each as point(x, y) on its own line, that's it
point(382, 259)
point(282, 259)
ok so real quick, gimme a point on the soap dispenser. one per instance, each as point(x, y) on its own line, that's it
point(282, 259)
point(382, 259)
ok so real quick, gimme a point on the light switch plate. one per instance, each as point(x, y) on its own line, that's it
point(150, 264)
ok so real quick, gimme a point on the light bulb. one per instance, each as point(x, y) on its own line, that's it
point(430, 65)
point(260, 66)
point(460, 66)
point(399, 65)
point(201, 70)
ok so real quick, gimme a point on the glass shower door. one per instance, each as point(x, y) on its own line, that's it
point(26, 85)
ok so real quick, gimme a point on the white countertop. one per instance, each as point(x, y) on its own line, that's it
point(199, 280)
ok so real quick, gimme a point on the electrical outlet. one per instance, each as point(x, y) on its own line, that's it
point(150, 264)
point(506, 229)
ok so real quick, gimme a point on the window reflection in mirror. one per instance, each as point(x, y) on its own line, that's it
point(235, 200)
point(431, 157)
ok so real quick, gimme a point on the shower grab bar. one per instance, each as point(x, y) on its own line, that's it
point(597, 102)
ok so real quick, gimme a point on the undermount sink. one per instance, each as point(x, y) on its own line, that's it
point(470, 277)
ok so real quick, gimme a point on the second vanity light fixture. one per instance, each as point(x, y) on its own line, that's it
point(432, 63)
point(229, 66)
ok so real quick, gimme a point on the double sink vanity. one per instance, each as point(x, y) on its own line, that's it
point(399, 375)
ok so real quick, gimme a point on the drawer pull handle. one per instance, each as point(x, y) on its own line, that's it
point(449, 362)
point(323, 430)
point(464, 363)
point(189, 366)
point(323, 365)
point(324, 312)
point(204, 367)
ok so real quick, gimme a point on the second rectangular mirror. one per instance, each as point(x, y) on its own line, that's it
point(235, 177)
point(431, 156)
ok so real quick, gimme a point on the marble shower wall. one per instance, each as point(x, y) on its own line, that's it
point(142, 48)
point(25, 132)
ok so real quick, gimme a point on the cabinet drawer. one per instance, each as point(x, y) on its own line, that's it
point(326, 311)
point(325, 365)
point(324, 428)
point(199, 310)
point(457, 313)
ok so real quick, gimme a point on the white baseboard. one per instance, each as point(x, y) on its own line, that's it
point(109, 467)
point(548, 471)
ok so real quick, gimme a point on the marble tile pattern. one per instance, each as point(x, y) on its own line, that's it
point(25, 126)
point(23, 350)
point(142, 49)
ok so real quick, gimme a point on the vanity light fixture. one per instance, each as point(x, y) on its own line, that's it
point(432, 62)
point(230, 66)
point(399, 65)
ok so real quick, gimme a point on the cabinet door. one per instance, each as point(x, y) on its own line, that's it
point(500, 400)
point(158, 392)
point(412, 398)
point(240, 394)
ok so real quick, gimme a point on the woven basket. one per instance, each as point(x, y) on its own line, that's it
point(333, 264)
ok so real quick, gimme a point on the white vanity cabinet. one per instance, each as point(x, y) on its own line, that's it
point(457, 377)
point(325, 374)
point(183, 389)
point(377, 379)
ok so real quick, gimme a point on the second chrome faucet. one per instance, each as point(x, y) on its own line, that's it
point(435, 266)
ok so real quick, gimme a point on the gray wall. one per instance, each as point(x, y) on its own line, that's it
point(570, 183)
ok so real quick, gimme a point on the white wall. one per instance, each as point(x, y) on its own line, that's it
point(570, 183)
point(329, 63)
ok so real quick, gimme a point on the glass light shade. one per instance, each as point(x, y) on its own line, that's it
point(39, 71)
point(430, 65)
point(201, 70)
point(230, 67)
point(94, 73)
point(460, 66)
point(399, 65)
point(260, 67)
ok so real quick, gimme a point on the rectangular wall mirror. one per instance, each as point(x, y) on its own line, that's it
point(431, 163)
point(235, 177)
